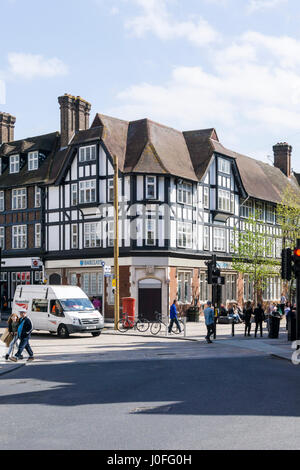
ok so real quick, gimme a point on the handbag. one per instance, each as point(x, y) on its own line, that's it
point(7, 337)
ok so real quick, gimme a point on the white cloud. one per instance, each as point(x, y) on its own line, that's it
point(31, 66)
point(156, 19)
point(252, 84)
point(255, 5)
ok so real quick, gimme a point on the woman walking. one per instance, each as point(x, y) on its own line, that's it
point(248, 312)
point(13, 323)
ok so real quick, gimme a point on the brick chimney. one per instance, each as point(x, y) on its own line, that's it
point(282, 157)
point(74, 116)
point(7, 128)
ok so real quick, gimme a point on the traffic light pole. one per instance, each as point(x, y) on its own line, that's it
point(116, 241)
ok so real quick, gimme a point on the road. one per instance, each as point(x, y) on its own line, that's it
point(117, 392)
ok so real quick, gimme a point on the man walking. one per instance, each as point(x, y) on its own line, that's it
point(173, 317)
point(259, 315)
point(209, 321)
point(24, 332)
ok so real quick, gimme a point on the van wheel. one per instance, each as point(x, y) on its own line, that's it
point(96, 333)
point(63, 331)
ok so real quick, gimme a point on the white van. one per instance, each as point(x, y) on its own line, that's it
point(58, 309)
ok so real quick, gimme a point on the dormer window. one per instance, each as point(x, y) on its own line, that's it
point(224, 166)
point(33, 161)
point(14, 164)
point(87, 154)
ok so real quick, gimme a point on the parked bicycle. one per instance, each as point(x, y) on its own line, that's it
point(125, 324)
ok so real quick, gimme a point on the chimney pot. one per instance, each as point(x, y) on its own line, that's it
point(7, 128)
point(282, 157)
point(74, 116)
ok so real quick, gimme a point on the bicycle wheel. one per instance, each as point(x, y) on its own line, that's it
point(122, 326)
point(155, 327)
point(142, 325)
point(175, 328)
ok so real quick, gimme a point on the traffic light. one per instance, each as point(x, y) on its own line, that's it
point(209, 272)
point(297, 259)
point(286, 264)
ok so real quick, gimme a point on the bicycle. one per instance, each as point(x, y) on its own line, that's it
point(125, 324)
point(157, 324)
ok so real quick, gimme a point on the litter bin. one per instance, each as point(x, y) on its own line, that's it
point(128, 307)
point(292, 328)
point(274, 327)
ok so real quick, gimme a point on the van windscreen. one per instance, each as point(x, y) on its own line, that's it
point(76, 304)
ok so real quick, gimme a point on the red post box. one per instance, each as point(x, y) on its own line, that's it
point(128, 307)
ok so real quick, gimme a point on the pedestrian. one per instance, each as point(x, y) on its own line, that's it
point(173, 316)
point(24, 333)
point(259, 315)
point(287, 312)
point(282, 303)
point(248, 312)
point(209, 321)
point(12, 323)
point(97, 303)
point(223, 311)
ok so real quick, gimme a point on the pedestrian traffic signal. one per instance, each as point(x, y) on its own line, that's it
point(286, 264)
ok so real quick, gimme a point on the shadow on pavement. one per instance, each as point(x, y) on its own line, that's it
point(255, 385)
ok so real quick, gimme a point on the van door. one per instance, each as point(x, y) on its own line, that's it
point(55, 315)
point(39, 314)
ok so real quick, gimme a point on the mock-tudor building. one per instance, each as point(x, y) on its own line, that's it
point(181, 194)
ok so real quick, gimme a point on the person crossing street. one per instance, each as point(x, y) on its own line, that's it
point(24, 333)
point(209, 321)
point(173, 317)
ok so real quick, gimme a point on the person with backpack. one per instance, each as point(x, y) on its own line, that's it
point(259, 315)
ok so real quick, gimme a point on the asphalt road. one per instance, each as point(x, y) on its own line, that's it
point(194, 400)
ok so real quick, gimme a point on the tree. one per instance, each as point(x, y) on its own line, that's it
point(288, 217)
point(254, 253)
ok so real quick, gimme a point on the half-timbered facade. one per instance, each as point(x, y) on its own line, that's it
point(182, 195)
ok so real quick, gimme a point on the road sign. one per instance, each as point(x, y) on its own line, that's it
point(113, 283)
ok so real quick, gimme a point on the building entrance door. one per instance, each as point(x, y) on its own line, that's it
point(149, 298)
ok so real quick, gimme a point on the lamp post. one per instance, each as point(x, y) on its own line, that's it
point(116, 242)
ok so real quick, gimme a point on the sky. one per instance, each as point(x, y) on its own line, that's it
point(189, 64)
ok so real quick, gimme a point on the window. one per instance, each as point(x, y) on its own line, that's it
point(2, 238)
point(33, 161)
point(110, 233)
point(91, 283)
point(272, 288)
point(39, 305)
point(87, 154)
point(73, 279)
point(74, 195)
point(206, 197)
point(110, 190)
point(150, 238)
point(87, 191)
point(230, 285)
point(150, 187)
point(19, 237)
point(14, 164)
point(184, 283)
point(185, 193)
point(219, 239)
point(246, 209)
point(224, 166)
point(37, 197)
point(270, 214)
point(259, 208)
point(92, 235)
point(184, 231)
point(74, 240)
point(224, 200)
point(38, 236)
point(19, 199)
point(2, 203)
point(206, 238)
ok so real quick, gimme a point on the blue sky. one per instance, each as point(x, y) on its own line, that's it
point(190, 64)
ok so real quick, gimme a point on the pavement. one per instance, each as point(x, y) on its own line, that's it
point(224, 344)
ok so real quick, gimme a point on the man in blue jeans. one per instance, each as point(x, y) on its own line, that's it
point(209, 321)
point(24, 332)
point(173, 317)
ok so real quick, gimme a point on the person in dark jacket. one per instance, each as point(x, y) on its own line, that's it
point(248, 312)
point(24, 332)
point(259, 315)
